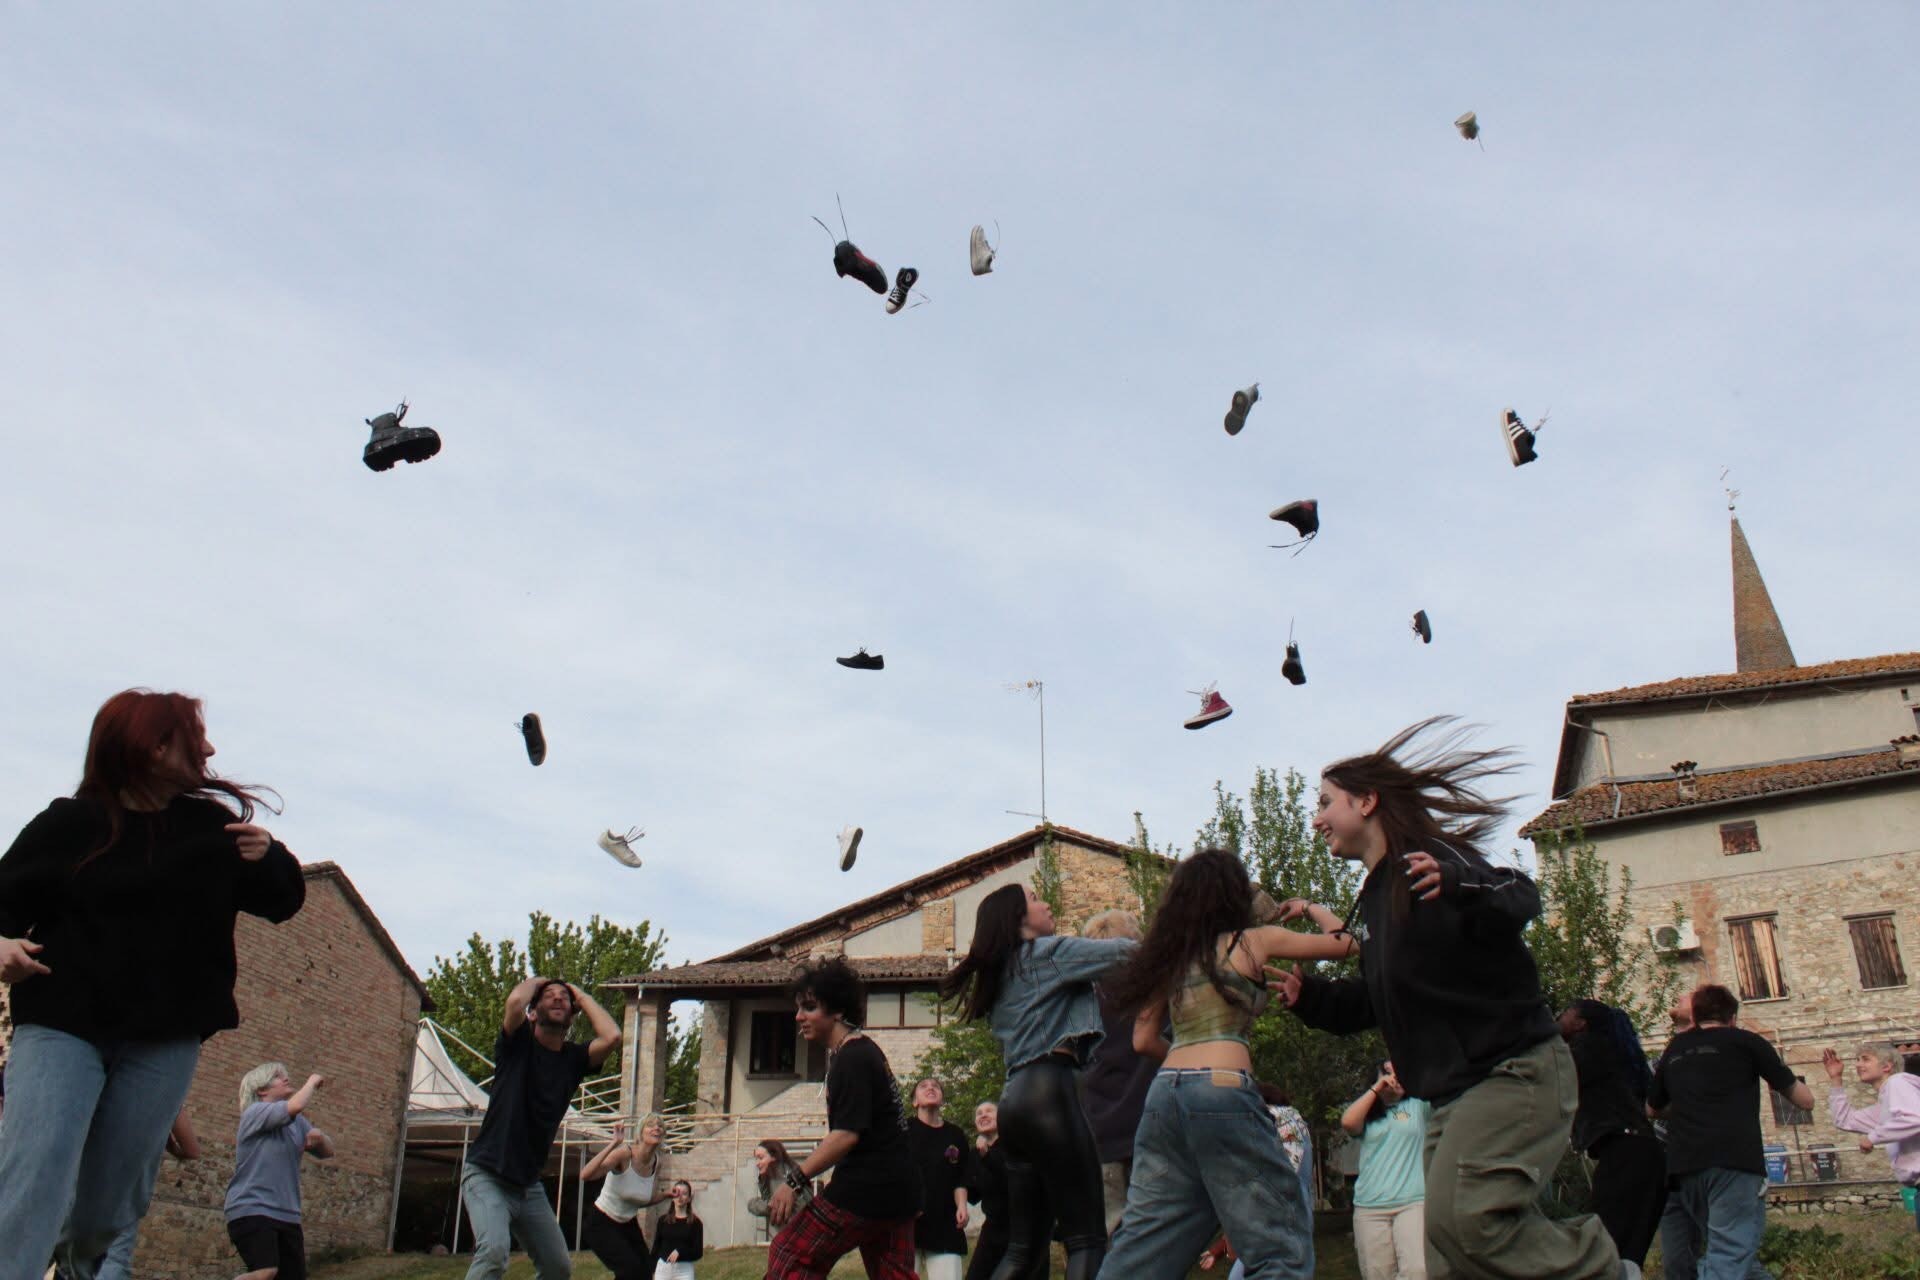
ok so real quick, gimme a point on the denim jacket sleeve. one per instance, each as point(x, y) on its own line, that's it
point(1089, 959)
point(1048, 1000)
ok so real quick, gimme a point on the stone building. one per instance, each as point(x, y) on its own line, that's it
point(758, 1080)
point(1776, 807)
point(327, 991)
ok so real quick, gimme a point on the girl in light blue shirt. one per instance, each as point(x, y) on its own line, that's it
point(1389, 1200)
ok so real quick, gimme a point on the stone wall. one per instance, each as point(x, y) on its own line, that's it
point(1091, 883)
point(1825, 1004)
point(1837, 1197)
point(319, 993)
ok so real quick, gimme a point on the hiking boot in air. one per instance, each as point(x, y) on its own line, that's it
point(1303, 515)
point(1242, 401)
point(1292, 668)
point(903, 283)
point(621, 847)
point(979, 252)
point(849, 846)
point(1519, 440)
point(864, 661)
point(1468, 125)
point(849, 261)
point(1421, 627)
point(392, 443)
point(536, 740)
point(1212, 707)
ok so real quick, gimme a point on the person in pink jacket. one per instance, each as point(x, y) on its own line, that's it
point(1894, 1119)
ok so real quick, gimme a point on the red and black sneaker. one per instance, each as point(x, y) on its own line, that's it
point(1303, 515)
point(1212, 707)
point(849, 261)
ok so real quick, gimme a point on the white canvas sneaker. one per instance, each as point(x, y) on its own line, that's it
point(621, 847)
point(979, 252)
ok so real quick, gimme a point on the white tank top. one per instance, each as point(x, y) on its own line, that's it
point(624, 1194)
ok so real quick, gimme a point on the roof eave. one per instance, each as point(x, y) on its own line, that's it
point(1581, 701)
point(1537, 827)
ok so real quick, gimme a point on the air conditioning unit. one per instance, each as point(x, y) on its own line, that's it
point(1670, 939)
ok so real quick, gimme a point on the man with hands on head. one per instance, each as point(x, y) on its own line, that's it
point(537, 1070)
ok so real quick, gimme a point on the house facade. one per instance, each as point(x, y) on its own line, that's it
point(1776, 808)
point(758, 1079)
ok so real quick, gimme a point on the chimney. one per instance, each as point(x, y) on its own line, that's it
point(1759, 641)
point(1689, 785)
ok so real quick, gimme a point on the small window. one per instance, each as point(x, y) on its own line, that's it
point(921, 1009)
point(1784, 1112)
point(1756, 959)
point(1739, 837)
point(772, 1036)
point(883, 1009)
point(1877, 951)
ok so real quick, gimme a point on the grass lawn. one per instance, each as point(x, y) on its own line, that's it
point(1335, 1256)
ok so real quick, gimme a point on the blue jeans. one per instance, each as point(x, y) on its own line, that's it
point(80, 1143)
point(1725, 1212)
point(119, 1261)
point(1206, 1152)
point(498, 1211)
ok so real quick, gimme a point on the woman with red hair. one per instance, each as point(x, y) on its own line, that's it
point(117, 909)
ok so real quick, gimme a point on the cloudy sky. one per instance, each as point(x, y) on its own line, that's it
point(685, 466)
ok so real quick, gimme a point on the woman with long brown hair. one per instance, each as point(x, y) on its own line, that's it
point(1207, 1150)
point(1446, 975)
point(1036, 990)
point(117, 909)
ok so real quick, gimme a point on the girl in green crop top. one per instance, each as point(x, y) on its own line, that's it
point(1206, 1150)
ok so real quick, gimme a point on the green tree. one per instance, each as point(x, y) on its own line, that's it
point(470, 988)
point(1049, 881)
point(1148, 870)
point(683, 1061)
point(1585, 942)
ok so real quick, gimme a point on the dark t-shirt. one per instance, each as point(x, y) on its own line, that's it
point(532, 1085)
point(876, 1179)
point(944, 1157)
point(1708, 1083)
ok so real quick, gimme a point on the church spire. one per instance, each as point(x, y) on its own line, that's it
point(1759, 641)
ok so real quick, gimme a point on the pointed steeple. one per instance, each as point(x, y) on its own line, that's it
point(1759, 641)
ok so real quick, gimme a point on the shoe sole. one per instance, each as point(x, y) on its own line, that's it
point(853, 851)
point(1237, 416)
point(416, 449)
point(878, 664)
point(1202, 721)
point(1295, 680)
point(536, 739)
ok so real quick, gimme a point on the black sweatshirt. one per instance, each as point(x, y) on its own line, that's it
point(683, 1234)
point(1452, 986)
point(140, 939)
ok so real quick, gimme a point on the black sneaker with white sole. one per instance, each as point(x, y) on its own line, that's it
point(1519, 440)
point(903, 282)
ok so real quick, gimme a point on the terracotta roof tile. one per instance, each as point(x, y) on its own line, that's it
point(1698, 686)
point(1593, 805)
point(762, 973)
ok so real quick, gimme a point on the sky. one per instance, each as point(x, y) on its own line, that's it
point(685, 466)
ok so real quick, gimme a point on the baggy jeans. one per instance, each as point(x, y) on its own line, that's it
point(80, 1143)
point(1207, 1152)
point(1488, 1152)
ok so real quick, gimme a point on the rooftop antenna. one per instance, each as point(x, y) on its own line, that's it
point(1039, 691)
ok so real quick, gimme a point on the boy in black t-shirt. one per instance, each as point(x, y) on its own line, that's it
point(1707, 1089)
point(944, 1157)
point(536, 1070)
point(871, 1201)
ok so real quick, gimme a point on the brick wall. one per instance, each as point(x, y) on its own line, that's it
point(320, 993)
point(1091, 883)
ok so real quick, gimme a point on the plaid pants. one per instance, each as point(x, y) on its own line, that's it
point(822, 1233)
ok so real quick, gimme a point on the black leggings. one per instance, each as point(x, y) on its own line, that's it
point(992, 1246)
point(1053, 1171)
point(621, 1245)
point(1629, 1190)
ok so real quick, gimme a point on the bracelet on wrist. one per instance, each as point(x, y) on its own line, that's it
point(797, 1180)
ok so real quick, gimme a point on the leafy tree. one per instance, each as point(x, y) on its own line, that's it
point(683, 1061)
point(1585, 941)
point(1049, 881)
point(471, 987)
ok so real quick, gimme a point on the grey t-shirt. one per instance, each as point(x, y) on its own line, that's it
point(266, 1163)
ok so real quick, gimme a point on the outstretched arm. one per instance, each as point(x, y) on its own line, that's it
point(606, 1032)
point(517, 1001)
point(303, 1098)
point(611, 1158)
